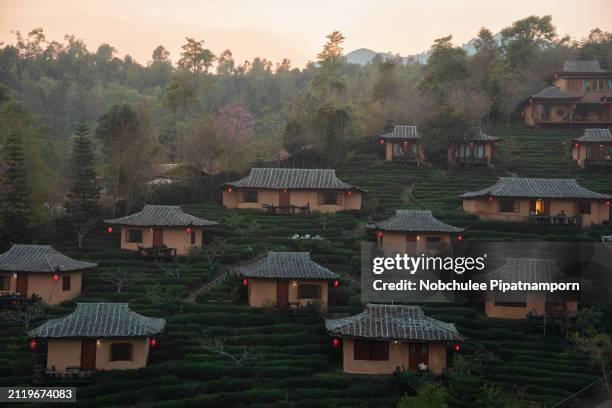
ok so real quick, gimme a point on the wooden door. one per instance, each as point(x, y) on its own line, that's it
point(284, 200)
point(282, 293)
point(22, 284)
point(88, 355)
point(418, 353)
point(546, 207)
point(411, 244)
point(158, 238)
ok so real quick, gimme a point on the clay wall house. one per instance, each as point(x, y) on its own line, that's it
point(540, 201)
point(97, 336)
point(161, 229)
point(27, 270)
point(414, 232)
point(519, 305)
point(477, 148)
point(288, 279)
point(403, 145)
point(593, 149)
point(385, 338)
point(292, 190)
point(581, 94)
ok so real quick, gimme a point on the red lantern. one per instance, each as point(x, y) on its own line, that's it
point(457, 347)
point(379, 234)
point(153, 342)
point(55, 277)
point(381, 141)
point(188, 230)
point(460, 237)
point(608, 203)
point(245, 282)
point(490, 199)
point(577, 145)
point(110, 230)
point(33, 344)
point(336, 283)
point(349, 193)
point(229, 189)
point(335, 342)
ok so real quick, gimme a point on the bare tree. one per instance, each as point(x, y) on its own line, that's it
point(213, 250)
point(24, 313)
point(81, 229)
point(175, 270)
point(121, 279)
point(216, 346)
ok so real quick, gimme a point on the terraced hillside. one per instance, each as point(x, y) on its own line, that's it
point(288, 358)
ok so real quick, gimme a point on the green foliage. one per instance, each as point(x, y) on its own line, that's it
point(15, 200)
point(429, 396)
point(82, 204)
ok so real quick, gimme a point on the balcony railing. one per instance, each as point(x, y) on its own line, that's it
point(576, 119)
point(405, 158)
point(552, 220)
point(472, 160)
point(157, 252)
point(598, 162)
point(72, 375)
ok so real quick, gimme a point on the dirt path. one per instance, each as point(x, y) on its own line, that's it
point(219, 277)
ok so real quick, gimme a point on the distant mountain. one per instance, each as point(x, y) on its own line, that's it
point(364, 55)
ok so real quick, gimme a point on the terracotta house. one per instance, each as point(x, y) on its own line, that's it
point(385, 338)
point(581, 93)
point(287, 279)
point(538, 200)
point(26, 270)
point(97, 336)
point(477, 148)
point(518, 305)
point(593, 149)
point(161, 229)
point(403, 145)
point(414, 232)
point(290, 190)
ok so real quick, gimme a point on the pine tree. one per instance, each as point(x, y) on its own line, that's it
point(82, 204)
point(16, 201)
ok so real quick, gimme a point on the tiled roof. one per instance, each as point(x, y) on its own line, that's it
point(393, 322)
point(552, 92)
point(582, 66)
point(161, 216)
point(39, 258)
point(528, 270)
point(596, 136)
point(287, 265)
point(402, 132)
point(280, 178)
point(478, 135)
point(536, 188)
point(417, 221)
point(100, 320)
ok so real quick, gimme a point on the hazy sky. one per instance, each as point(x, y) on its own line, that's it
point(294, 29)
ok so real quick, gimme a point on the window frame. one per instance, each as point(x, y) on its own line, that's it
point(580, 208)
point(370, 350)
point(130, 236)
point(5, 282)
point(113, 349)
point(66, 283)
point(327, 194)
point(250, 196)
point(505, 201)
point(193, 237)
point(307, 287)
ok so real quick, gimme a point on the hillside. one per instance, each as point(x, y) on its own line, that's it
point(293, 363)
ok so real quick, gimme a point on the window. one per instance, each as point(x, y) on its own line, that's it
point(506, 206)
point(584, 207)
point(309, 292)
point(371, 350)
point(121, 352)
point(134, 236)
point(5, 282)
point(433, 243)
point(329, 198)
point(250, 196)
point(66, 283)
point(193, 237)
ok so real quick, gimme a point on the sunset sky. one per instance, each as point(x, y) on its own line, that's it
point(294, 29)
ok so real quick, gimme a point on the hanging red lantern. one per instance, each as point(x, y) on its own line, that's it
point(381, 141)
point(229, 189)
point(110, 230)
point(153, 342)
point(460, 237)
point(245, 282)
point(55, 277)
point(336, 283)
point(457, 347)
point(577, 145)
point(490, 199)
point(188, 230)
point(33, 344)
point(349, 193)
point(608, 203)
point(379, 234)
point(335, 342)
